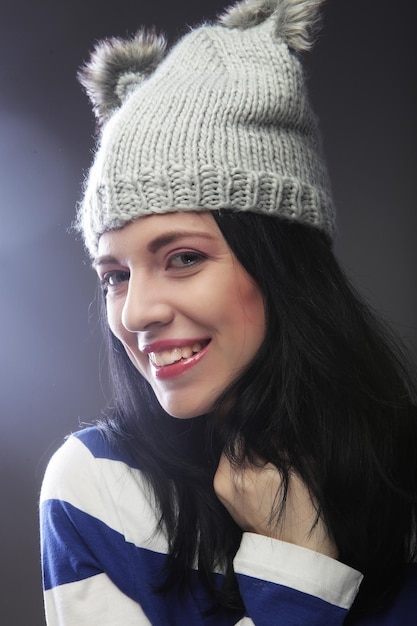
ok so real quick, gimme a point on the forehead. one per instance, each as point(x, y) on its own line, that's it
point(156, 230)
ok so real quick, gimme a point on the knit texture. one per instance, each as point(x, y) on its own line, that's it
point(223, 122)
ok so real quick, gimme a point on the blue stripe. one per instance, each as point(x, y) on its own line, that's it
point(270, 603)
point(77, 546)
point(100, 447)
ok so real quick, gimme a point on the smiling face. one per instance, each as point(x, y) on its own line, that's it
point(188, 315)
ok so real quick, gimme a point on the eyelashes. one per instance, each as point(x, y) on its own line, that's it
point(113, 279)
point(185, 259)
point(176, 263)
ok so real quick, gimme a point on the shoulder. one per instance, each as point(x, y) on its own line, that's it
point(84, 457)
point(99, 446)
point(88, 461)
point(90, 477)
point(90, 443)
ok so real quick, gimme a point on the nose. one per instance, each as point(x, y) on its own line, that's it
point(146, 305)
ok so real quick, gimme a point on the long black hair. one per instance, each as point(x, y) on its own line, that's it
point(329, 395)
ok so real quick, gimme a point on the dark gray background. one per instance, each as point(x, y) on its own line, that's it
point(362, 76)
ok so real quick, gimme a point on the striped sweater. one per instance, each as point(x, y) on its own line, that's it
point(102, 557)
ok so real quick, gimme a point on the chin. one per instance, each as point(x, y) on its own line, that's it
point(185, 410)
point(182, 414)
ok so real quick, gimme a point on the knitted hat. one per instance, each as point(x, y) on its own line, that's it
point(222, 121)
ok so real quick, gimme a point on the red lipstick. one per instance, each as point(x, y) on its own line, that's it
point(165, 372)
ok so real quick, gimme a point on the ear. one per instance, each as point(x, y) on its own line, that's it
point(296, 20)
point(117, 67)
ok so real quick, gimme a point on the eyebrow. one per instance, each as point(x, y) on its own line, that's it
point(156, 244)
point(104, 260)
point(171, 237)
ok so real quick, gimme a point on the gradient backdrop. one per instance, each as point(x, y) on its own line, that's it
point(363, 87)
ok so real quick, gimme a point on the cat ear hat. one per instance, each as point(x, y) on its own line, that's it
point(220, 121)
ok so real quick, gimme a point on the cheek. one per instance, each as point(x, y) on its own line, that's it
point(254, 306)
point(254, 324)
point(114, 319)
point(250, 302)
point(128, 340)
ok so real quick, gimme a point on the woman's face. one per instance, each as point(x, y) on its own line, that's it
point(188, 315)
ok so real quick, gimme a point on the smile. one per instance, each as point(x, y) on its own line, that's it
point(168, 357)
point(173, 362)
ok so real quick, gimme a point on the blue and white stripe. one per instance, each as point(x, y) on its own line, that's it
point(102, 556)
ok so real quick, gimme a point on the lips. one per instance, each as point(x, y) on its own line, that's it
point(170, 359)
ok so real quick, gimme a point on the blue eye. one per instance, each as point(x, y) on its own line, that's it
point(185, 259)
point(113, 279)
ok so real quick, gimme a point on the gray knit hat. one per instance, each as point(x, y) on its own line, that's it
point(222, 121)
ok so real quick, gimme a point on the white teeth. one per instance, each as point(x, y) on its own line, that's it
point(186, 352)
point(168, 357)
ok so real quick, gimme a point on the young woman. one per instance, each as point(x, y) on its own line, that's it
point(258, 466)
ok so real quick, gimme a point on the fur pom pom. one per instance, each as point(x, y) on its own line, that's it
point(117, 66)
point(297, 21)
point(248, 13)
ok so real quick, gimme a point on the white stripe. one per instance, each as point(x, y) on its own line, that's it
point(298, 568)
point(108, 490)
point(95, 601)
